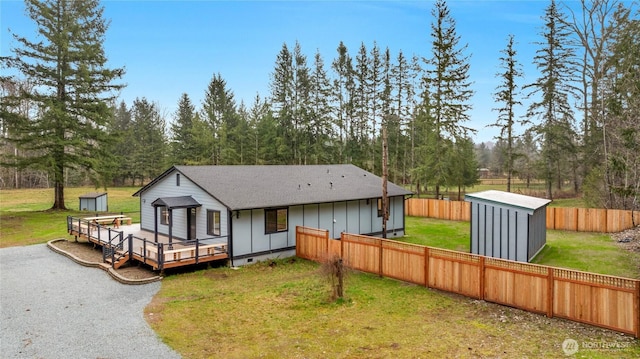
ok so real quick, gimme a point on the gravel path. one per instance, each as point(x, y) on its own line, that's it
point(52, 307)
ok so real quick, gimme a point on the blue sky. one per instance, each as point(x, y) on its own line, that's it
point(172, 47)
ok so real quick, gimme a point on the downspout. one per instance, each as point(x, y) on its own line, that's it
point(230, 236)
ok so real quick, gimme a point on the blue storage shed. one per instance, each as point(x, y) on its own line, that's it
point(94, 201)
point(507, 225)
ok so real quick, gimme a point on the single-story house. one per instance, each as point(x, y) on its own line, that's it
point(257, 208)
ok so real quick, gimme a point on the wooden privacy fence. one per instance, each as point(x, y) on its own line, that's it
point(568, 219)
point(605, 301)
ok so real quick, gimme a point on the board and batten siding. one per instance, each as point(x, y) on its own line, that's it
point(167, 187)
point(506, 232)
point(360, 216)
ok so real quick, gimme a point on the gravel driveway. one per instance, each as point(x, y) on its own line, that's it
point(52, 307)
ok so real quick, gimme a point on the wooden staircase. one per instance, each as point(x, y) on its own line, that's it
point(121, 257)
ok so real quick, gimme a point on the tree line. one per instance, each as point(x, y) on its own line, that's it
point(580, 115)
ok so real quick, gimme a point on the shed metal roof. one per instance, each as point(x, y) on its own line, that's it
point(93, 195)
point(507, 198)
point(249, 187)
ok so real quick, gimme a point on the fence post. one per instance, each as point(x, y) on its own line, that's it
point(636, 308)
point(550, 292)
point(380, 272)
point(160, 256)
point(482, 277)
point(426, 266)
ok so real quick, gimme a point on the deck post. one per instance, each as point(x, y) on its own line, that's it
point(130, 244)
point(197, 249)
point(160, 256)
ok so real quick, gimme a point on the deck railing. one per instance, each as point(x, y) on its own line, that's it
point(116, 245)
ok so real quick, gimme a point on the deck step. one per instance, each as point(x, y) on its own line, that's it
point(123, 258)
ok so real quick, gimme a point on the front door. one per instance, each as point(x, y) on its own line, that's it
point(192, 224)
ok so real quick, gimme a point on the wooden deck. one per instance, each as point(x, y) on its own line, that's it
point(129, 242)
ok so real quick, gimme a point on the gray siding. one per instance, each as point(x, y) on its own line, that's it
point(167, 188)
point(506, 232)
point(250, 243)
point(248, 226)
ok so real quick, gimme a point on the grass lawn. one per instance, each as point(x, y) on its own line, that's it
point(282, 309)
point(590, 252)
point(25, 217)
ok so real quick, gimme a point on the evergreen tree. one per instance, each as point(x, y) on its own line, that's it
point(553, 90)
point(447, 82)
point(182, 131)
point(283, 102)
point(150, 146)
point(464, 166)
point(402, 96)
point(507, 96)
point(375, 93)
point(321, 129)
point(525, 164)
point(219, 111)
point(122, 150)
point(75, 88)
point(342, 96)
point(302, 131)
point(358, 144)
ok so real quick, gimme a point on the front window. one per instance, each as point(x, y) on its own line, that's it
point(276, 220)
point(213, 223)
point(164, 215)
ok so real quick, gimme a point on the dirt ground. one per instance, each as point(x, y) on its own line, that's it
point(90, 253)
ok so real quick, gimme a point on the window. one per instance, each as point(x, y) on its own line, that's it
point(164, 215)
point(177, 180)
point(213, 222)
point(275, 220)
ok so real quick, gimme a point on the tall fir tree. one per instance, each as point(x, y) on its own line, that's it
point(321, 127)
point(182, 131)
point(75, 88)
point(507, 96)
point(342, 90)
point(283, 101)
point(219, 111)
point(551, 93)
point(447, 82)
point(150, 148)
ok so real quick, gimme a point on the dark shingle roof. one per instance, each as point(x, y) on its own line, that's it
point(249, 187)
point(176, 202)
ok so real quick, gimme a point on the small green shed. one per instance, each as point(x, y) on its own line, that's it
point(94, 201)
point(507, 225)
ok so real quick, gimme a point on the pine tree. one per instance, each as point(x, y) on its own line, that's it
point(447, 82)
point(553, 90)
point(507, 96)
point(75, 88)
